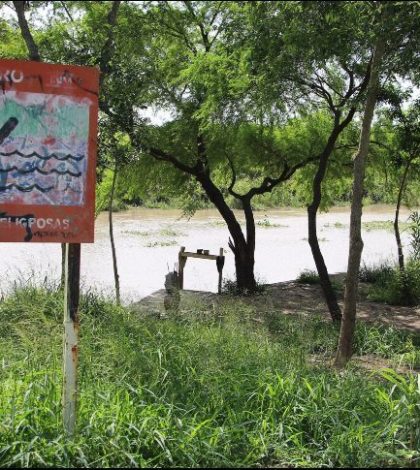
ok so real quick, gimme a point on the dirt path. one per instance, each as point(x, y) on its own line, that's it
point(292, 297)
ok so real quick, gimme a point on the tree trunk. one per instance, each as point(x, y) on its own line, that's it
point(397, 216)
point(242, 249)
point(244, 260)
point(244, 264)
point(329, 294)
point(348, 324)
point(111, 235)
point(328, 291)
point(33, 51)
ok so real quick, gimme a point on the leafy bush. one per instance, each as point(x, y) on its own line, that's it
point(373, 274)
point(415, 235)
point(230, 287)
point(311, 277)
point(308, 277)
point(398, 287)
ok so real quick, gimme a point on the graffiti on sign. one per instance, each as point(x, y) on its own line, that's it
point(48, 117)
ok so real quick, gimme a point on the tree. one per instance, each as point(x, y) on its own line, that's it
point(395, 154)
point(330, 72)
point(356, 243)
point(394, 30)
point(408, 142)
point(195, 71)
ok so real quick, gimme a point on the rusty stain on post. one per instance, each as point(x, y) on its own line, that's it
point(71, 336)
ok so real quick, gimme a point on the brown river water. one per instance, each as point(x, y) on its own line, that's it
point(148, 242)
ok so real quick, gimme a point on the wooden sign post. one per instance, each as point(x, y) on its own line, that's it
point(48, 127)
point(71, 335)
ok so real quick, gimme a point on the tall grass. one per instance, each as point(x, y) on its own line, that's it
point(229, 387)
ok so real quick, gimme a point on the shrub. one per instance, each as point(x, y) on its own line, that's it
point(373, 274)
point(398, 287)
point(415, 235)
point(308, 277)
point(230, 287)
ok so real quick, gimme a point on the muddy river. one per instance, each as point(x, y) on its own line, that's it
point(148, 242)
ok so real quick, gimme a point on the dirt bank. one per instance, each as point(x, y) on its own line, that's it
point(291, 298)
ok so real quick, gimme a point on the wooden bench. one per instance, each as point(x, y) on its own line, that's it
point(201, 254)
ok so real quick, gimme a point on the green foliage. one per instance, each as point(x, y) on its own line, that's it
point(199, 390)
point(11, 42)
point(308, 277)
point(230, 287)
point(161, 243)
point(311, 277)
point(397, 287)
point(415, 235)
point(375, 274)
point(103, 192)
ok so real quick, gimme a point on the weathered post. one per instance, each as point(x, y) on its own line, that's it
point(172, 297)
point(71, 335)
point(181, 264)
point(220, 262)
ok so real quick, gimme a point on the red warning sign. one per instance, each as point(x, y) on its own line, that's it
point(48, 127)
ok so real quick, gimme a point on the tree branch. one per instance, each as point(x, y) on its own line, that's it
point(204, 33)
point(63, 4)
point(163, 156)
point(109, 46)
point(33, 51)
point(180, 34)
point(233, 182)
point(269, 184)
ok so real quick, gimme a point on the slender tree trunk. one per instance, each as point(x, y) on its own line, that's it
point(345, 345)
point(397, 216)
point(111, 235)
point(244, 259)
point(329, 294)
point(242, 249)
point(33, 51)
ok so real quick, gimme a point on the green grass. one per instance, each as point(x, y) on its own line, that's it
point(202, 388)
point(375, 274)
point(168, 232)
point(387, 225)
point(165, 232)
point(311, 277)
point(320, 239)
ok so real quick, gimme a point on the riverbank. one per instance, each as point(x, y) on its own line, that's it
point(293, 298)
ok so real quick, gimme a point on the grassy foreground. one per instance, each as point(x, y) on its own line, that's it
point(212, 389)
